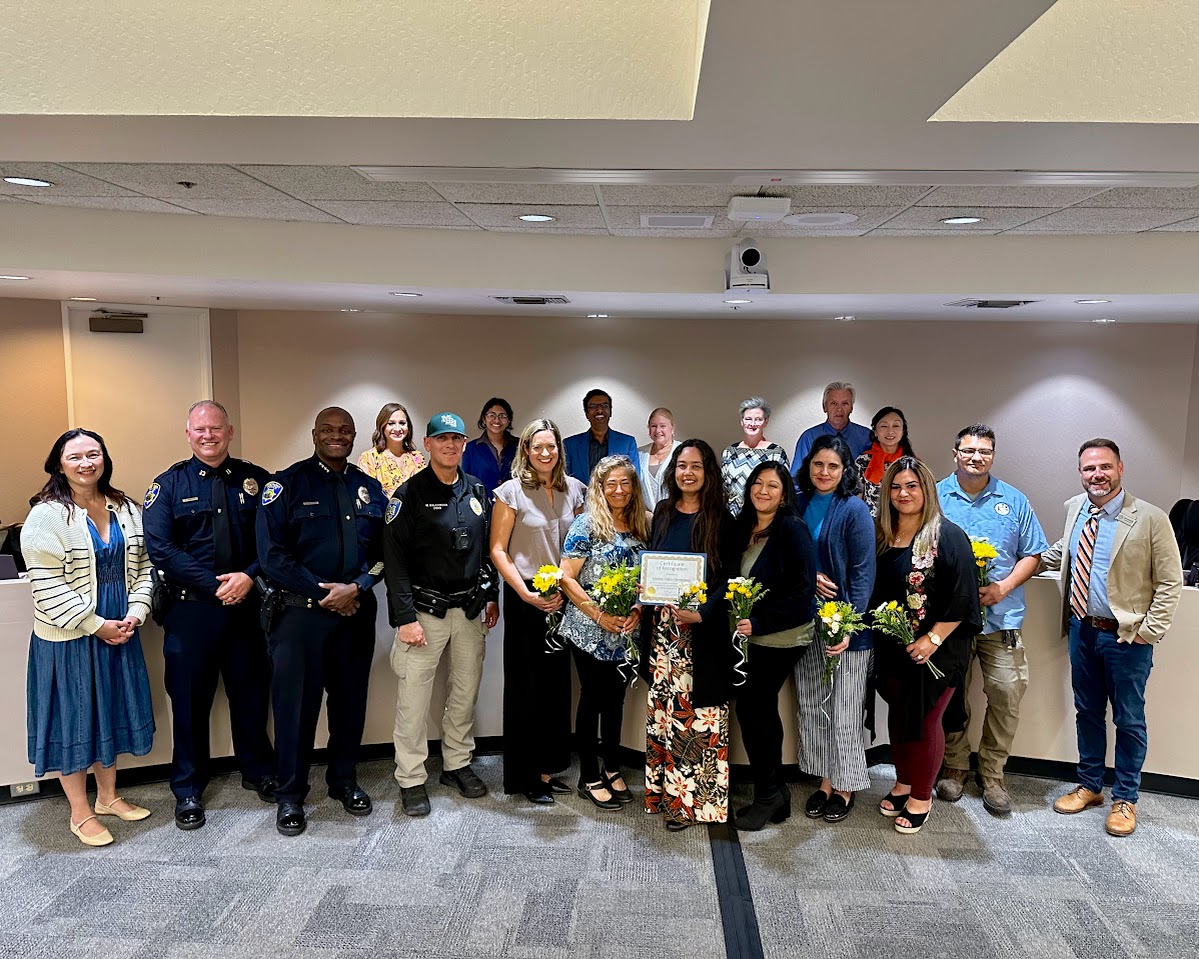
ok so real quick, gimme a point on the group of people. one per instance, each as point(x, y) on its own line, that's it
point(267, 580)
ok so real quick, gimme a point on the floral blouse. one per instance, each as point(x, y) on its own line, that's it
point(390, 472)
point(577, 626)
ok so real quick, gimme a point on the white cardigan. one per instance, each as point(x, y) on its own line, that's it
point(62, 568)
point(652, 488)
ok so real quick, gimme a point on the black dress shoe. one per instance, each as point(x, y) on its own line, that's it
point(674, 825)
point(290, 819)
point(816, 805)
point(415, 800)
point(265, 787)
point(353, 799)
point(620, 795)
point(189, 813)
point(465, 781)
point(540, 794)
point(589, 790)
point(837, 809)
point(558, 786)
point(776, 808)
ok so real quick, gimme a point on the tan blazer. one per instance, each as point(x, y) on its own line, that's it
point(1144, 580)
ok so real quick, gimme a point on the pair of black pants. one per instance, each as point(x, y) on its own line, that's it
point(536, 698)
point(204, 642)
point(599, 714)
point(766, 670)
point(316, 652)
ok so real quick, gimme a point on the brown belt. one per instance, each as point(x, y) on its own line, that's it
point(1099, 622)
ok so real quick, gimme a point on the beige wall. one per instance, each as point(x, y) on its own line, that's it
point(33, 397)
point(1044, 388)
point(226, 371)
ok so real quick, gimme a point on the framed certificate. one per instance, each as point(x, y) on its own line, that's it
point(664, 574)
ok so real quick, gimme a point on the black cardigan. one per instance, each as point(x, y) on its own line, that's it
point(787, 568)
point(712, 655)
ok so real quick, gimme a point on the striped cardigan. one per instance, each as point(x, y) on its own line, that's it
point(62, 568)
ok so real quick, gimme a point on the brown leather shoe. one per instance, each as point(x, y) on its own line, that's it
point(995, 797)
point(952, 784)
point(1076, 800)
point(1122, 820)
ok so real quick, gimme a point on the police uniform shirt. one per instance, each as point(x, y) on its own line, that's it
point(418, 541)
point(316, 526)
point(181, 521)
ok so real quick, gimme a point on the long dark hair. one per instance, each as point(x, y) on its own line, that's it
point(498, 401)
point(904, 443)
point(747, 519)
point(705, 534)
point(849, 472)
point(58, 490)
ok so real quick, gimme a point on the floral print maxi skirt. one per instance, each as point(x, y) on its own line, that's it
point(686, 749)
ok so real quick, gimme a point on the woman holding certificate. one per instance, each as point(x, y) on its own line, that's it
point(687, 654)
point(612, 530)
point(777, 551)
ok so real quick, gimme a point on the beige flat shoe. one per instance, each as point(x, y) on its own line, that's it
point(100, 839)
point(132, 814)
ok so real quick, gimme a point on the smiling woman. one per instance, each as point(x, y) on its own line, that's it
point(393, 458)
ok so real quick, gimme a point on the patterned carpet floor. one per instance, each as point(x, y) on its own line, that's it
point(498, 877)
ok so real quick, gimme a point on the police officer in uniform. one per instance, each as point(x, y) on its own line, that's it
point(199, 525)
point(439, 580)
point(319, 545)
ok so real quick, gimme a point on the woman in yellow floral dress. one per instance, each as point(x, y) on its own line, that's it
point(392, 458)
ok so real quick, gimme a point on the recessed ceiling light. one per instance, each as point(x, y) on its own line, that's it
point(27, 181)
point(394, 293)
point(848, 318)
point(1091, 302)
point(737, 302)
point(13, 277)
point(956, 220)
point(83, 299)
point(1103, 319)
point(597, 316)
point(536, 218)
point(350, 311)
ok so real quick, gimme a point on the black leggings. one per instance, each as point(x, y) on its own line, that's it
point(758, 713)
point(599, 715)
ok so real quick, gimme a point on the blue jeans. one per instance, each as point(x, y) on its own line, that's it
point(1103, 670)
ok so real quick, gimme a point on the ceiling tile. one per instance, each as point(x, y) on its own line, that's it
point(848, 195)
point(715, 195)
point(1083, 221)
point(212, 181)
point(1148, 197)
point(505, 214)
point(388, 213)
point(129, 204)
point(867, 219)
point(337, 183)
point(66, 181)
point(539, 194)
point(1185, 226)
point(969, 197)
point(884, 231)
point(281, 209)
point(993, 218)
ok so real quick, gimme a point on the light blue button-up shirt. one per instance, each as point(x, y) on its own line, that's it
point(1003, 516)
point(857, 436)
point(1097, 604)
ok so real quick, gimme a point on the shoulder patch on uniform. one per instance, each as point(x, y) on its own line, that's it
point(151, 495)
point(476, 506)
point(250, 485)
point(271, 492)
point(1002, 509)
point(393, 509)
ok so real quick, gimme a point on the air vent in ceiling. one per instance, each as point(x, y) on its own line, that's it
point(532, 300)
point(991, 304)
point(676, 221)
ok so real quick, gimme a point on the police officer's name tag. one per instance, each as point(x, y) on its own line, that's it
point(393, 510)
point(271, 492)
point(151, 496)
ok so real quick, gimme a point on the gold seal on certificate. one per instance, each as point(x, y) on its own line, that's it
point(663, 575)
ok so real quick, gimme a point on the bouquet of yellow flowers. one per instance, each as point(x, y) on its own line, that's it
point(615, 593)
point(742, 594)
point(890, 618)
point(836, 622)
point(693, 595)
point(546, 582)
point(984, 556)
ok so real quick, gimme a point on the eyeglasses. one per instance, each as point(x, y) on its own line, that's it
point(752, 420)
point(598, 407)
point(503, 417)
point(970, 453)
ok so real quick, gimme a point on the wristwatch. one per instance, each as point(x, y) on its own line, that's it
point(934, 638)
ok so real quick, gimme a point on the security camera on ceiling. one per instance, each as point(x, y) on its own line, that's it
point(745, 268)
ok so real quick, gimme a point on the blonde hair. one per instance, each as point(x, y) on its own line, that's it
point(603, 526)
point(522, 468)
point(664, 411)
point(929, 534)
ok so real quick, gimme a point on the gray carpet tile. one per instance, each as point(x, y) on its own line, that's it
point(971, 885)
point(495, 877)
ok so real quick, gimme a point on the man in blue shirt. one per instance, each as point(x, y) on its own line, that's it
point(837, 404)
point(584, 450)
point(987, 508)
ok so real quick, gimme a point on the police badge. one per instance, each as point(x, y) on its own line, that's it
point(364, 496)
point(476, 506)
point(250, 485)
point(271, 492)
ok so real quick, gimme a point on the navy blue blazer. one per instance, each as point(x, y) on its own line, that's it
point(619, 444)
point(845, 553)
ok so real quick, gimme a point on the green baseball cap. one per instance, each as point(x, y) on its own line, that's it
point(445, 423)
